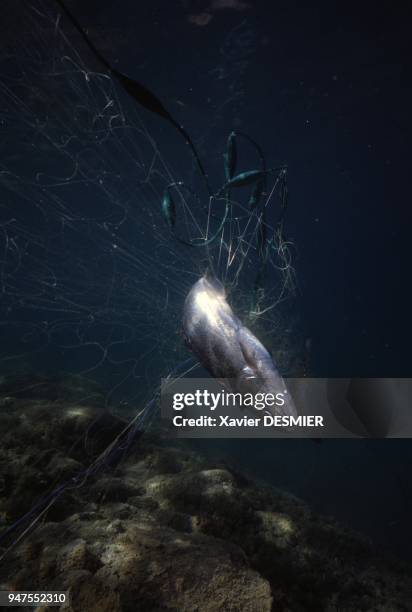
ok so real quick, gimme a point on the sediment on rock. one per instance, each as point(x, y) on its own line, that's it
point(167, 530)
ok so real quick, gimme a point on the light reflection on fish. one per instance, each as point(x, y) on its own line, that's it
point(226, 348)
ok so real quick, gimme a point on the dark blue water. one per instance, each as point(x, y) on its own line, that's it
point(93, 283)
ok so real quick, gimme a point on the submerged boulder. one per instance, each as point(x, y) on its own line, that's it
point(165, 529)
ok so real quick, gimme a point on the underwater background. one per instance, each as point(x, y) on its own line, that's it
point(92, 276)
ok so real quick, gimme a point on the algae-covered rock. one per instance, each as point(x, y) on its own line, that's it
point(164, 529)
